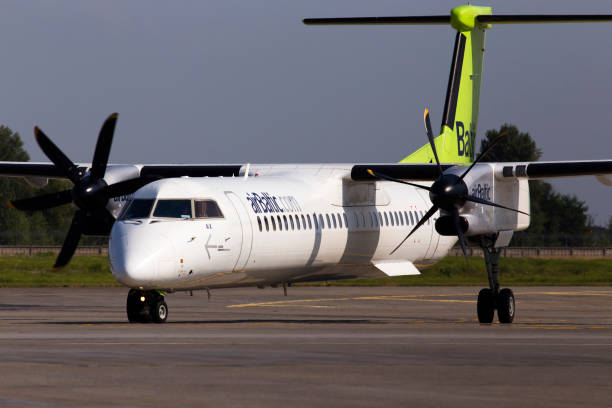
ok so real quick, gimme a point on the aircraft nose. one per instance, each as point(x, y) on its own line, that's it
point(136, 253)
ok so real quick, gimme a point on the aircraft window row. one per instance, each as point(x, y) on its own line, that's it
point(369, 219)
point(181, 209)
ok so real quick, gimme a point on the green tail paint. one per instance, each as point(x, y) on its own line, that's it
point(456, 142)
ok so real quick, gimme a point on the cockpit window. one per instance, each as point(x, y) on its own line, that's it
point(207, 209)
point(173, 209)
point(138, 208)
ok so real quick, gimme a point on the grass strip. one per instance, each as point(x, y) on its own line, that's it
point(453, 271)
point(94, 271)
point(36, 271)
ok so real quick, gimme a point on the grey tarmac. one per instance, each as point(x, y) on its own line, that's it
point(319, 346)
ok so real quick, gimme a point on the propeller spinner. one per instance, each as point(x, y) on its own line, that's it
point(449, 192)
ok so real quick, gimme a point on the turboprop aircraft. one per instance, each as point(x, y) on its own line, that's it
point(188, 227)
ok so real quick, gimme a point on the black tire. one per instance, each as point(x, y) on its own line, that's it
point(134, 306)
point(159, 311)
point(505, 306)
point(486, 306)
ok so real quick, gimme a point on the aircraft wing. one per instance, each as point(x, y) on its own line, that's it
point(602, 169)
point(147, 171)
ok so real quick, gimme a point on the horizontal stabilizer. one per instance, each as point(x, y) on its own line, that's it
point(482, 19)
point(410, 20)
point(544, 18)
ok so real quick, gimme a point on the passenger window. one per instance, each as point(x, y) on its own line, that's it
point(345, 220)
point(286, 223)
point(303, 221)
point(321, 222)
point(309, 223)
point(138, 208)
point(297, 222)
point(334, 221)
point(386, 219)
point(339, 220)
point(315, 221)
point(173, 209)
point(259, 223)
point(396, 218)
point(280, 222)
point(266, 222)
point(411, 219)
point(328, 222)
point(391, 217)
point(401, 217)
point(406, 218)
point(273, 223)
point(380, 220)
point(356, 221)
point(207, 209)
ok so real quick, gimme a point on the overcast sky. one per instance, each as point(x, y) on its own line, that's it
point(244, 81)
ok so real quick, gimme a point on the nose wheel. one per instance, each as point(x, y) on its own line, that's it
point(146, 306)
point(492, 298)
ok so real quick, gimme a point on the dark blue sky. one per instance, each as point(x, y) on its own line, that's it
point(245, 81)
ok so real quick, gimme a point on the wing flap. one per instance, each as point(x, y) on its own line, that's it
point(398, 268)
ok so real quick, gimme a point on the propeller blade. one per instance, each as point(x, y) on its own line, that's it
point(431, 139)
point(127, 187)
point(489, 147)
point(103, 146)
point(460, 235)
point(42, 202)
point(54, 154)
point(475, 199)
point(384, 177)
point(423, 220)
point(71, 241)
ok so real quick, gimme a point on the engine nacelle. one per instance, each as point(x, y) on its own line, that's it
point(114, 175)
point(480, 219)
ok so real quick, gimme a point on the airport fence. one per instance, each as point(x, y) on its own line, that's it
point(543, 252)
point(8, 250)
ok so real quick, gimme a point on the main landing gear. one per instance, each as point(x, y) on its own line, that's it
point(145, 306)
point(492, 298)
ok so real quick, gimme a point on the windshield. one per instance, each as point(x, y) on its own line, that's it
point(173, 209)
point(138, 208)
point(207, 209)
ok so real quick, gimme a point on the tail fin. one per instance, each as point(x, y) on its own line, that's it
point(460, 117)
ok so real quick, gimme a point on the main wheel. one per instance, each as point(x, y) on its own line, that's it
point(486, 306)
point(505, 306)
point(135, 306)
point(159, 311)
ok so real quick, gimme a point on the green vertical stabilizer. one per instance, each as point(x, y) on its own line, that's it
point(460, 116)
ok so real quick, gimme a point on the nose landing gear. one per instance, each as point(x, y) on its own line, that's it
point(146, 306)
point(492, 298)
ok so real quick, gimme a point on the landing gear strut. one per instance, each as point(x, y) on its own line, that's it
point(492, 298)
point(145, 306)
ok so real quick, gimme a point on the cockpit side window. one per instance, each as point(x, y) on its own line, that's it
point(173, 209)
point(207, 209)
point(138, 208)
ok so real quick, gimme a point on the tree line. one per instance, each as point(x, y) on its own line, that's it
point(556, 219)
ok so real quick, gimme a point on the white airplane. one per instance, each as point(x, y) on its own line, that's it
point(188, 227)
